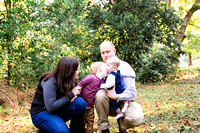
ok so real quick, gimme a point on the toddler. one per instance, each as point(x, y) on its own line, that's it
point(90, 85)
point(114, 78)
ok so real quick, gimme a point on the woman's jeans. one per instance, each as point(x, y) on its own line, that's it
point(55, 123)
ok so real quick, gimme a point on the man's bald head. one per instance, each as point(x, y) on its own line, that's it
point(107, 50)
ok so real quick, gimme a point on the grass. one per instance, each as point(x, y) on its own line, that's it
point(168, 107)
point(194, 68)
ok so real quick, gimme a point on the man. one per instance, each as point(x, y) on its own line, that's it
point(134, 115)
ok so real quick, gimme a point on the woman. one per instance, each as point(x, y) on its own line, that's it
point(56, 100)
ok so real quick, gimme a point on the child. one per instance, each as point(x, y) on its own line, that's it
point(114, 78)
point(90, 85)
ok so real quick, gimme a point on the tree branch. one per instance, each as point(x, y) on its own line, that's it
point(195, 7)
point(194, 25)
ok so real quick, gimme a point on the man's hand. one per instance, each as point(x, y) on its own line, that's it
point(112, 94)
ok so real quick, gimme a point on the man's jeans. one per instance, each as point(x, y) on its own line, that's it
point(74, 111)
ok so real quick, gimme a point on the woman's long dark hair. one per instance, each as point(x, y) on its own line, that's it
point(63, 74)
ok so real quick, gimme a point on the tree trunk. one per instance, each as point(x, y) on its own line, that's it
point(169, 3)
point(8, 8)
point(181, 32)
point(190, 59)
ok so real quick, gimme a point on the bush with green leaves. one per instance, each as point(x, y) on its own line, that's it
point(134, 26)
point(155, 65)
point(34, 35)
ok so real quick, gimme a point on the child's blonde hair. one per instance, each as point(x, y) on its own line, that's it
point(95, 66)
point(114, 60)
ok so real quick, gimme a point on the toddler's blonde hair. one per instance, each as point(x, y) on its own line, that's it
point(95, 66)
point(114, 60)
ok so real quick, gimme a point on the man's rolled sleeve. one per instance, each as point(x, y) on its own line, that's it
point(130, 90)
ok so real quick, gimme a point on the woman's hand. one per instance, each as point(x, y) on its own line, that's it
point(76, 90)
point(73, 98)
point(112, 94)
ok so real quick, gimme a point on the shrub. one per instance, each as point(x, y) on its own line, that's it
point(155, 66)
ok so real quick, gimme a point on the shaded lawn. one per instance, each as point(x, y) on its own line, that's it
point(167, 108)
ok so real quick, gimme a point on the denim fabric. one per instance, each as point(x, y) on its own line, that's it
point(55, 123)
